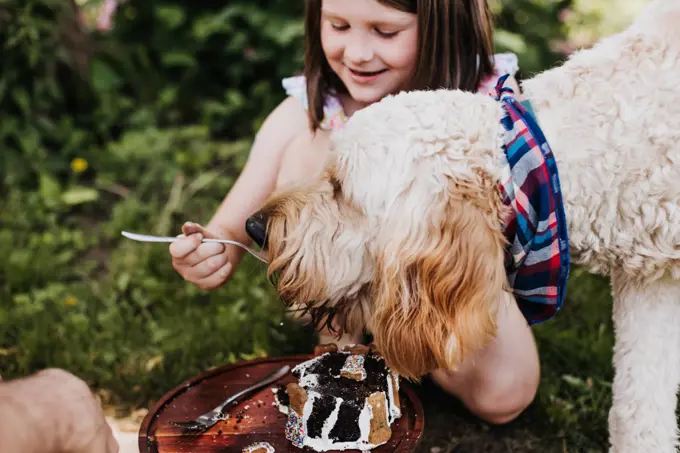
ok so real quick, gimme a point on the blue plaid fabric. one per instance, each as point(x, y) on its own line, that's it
point(538, 254)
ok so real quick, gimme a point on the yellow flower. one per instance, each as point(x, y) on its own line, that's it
point(78, 165)
point(70, 300)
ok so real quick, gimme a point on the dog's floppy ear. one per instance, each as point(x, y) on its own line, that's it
point(439, 285)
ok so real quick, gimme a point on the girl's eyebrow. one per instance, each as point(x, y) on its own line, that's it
point(329, 14)
point(401, 23)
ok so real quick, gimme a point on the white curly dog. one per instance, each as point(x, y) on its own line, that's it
point(404, 232)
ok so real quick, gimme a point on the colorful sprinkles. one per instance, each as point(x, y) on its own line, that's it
point(354, 365)
point(295, 430)
point(260, 447)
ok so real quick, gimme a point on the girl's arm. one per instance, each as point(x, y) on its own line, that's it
point(209, 265)
point(258, 179)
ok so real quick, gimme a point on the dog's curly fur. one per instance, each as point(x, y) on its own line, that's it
point(362, 247)
point(403, 233)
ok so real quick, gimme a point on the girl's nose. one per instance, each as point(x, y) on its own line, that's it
point(358, 49)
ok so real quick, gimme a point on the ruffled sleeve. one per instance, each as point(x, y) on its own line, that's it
point(504, 63)
point(334, 114)
point(296, 87)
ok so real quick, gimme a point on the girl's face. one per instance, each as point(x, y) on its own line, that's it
point(370, 46)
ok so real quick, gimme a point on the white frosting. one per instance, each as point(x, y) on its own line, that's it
point(307, 411)
point(309, 380)
point(394, 411)
point(302, 367)
point(331, 420)
point(365, 425)
point(282, 407)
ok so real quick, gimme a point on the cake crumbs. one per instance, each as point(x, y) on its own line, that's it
point(259, 447)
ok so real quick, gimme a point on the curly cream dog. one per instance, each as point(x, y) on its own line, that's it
point(404, 232)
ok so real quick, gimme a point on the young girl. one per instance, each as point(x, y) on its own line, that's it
point(357, 52)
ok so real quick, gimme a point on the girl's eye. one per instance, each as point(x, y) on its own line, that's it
point(340, 27)
point(387, 34)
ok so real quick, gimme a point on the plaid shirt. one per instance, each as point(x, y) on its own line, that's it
point(538, 256)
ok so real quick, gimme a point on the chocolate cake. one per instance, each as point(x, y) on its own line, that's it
point(343, 400)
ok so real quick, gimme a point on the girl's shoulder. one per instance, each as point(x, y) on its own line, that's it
point(334, 115)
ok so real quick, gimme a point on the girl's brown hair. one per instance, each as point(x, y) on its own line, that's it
point(455, 48)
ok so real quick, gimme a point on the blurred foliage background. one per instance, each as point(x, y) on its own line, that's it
point(142, 122)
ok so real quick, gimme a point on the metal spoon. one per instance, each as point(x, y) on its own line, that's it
point(149, 238)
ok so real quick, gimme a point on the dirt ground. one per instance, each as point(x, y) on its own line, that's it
point(450, 428)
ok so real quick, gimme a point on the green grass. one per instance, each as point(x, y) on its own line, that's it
point(76, 294)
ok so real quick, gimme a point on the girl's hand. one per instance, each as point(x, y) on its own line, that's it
point(206, 265)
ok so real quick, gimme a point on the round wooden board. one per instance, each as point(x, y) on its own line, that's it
point(253, 419)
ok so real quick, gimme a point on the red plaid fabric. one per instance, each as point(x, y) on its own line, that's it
point(538, 254)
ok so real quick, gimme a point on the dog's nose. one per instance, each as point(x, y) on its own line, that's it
point(256, 227)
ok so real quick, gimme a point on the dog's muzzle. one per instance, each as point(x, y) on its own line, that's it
point(256, 227)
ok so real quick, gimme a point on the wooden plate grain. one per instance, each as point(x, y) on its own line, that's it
point(253, 419)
